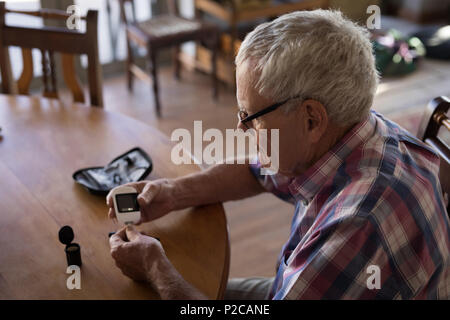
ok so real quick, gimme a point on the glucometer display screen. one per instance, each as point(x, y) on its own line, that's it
point(127, 202)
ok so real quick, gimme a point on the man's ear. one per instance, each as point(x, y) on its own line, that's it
point(316, 118)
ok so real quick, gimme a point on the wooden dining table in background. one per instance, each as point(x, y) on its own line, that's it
point(44, 141)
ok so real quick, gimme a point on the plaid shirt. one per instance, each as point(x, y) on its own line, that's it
point(374, 199)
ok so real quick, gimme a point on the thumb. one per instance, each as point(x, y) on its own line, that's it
point(132, 233)
point(147, 194)
point(117, 239)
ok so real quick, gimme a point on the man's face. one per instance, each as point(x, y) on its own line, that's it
point(294, 146)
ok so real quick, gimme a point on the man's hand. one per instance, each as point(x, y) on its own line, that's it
point(135, 254)
point(156, 199)
point(142, 258)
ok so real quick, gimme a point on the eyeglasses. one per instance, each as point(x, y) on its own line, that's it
point(244, 117)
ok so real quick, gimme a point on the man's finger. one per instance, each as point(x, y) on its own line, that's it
point(132, 233)
point(109, 200)
point(115, 241)
point(111, 213)
point(118, 239)
point(147, 194)
point(138, 186)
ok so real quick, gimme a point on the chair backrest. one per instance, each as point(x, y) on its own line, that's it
point(172, 6)
point(435, 118)
point(49, 40)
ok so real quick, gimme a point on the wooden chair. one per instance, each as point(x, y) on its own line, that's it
point(49, 40)
point(434, 118)
point(162, 31)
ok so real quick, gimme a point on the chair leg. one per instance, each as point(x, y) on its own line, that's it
point(154, 74)
point(130, 80)
point(214, 55)
point(129, 63)
point(176, 61)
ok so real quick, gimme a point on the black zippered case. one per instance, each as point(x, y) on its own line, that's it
point(132, 166)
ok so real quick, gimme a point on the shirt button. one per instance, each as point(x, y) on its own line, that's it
point(305, 202)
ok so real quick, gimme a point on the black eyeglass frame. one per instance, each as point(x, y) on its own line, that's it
point(262, 112)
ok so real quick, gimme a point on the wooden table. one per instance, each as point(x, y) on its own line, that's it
point(43, 143)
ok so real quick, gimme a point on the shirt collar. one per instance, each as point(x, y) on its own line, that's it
point(307, 185)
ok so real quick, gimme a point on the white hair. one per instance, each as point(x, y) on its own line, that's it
point(316, 55)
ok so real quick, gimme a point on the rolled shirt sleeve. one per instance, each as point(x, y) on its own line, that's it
point(276, 183)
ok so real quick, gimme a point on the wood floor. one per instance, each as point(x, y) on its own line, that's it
point(259, 226)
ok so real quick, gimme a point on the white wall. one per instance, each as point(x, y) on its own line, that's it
point(187, 10)
point(22, 20)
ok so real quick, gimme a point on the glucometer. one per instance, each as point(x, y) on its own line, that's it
point(126, 205)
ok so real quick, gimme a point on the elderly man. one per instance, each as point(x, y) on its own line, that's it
point(366, 193)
